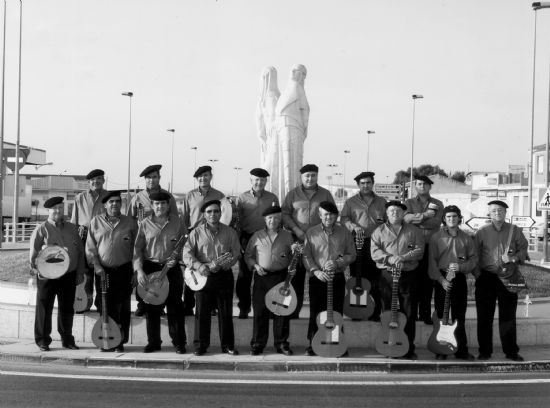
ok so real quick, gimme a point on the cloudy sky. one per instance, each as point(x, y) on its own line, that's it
point(194, 65)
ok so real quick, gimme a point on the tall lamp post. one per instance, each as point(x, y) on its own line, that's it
point(414, 98)
point(545, 212)
point(16, 173)
point(172, 163)
point(195, 168)
point(346, 152)
point(129, 95)
point(2, 166)
point(369, 132)
point(536, 6)
point(237, 179)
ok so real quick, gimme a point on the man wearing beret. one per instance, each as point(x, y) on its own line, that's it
point(56, 231)
point(250, 205)
point(425, 212)
point(211, 250)
point(361, 214)
point(396, 243)
point(268, 254)
point(328, 251)
point(452, 257)
point(109, 249)
point(86, 206)
point(497, 244)
point(141, 206)
point(156, 240)
point(301, 212)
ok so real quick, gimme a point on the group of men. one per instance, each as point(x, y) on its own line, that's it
point(421, 237)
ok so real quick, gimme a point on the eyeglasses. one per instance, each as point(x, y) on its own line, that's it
point(212, 211)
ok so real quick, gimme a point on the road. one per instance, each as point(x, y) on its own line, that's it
point(28, 386)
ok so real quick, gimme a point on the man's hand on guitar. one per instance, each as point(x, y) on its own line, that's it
point(259, 270)
point(321, 275)
point(141, 277)
point(98, 269)
point(446, 284)
point(330, 266)
point(172, 263)
point(204, 270)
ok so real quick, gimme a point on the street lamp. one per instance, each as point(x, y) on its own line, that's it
point(414, 98)
point(172, 164)
point(237, 179)
point(195, 168)
point(16, 172)
point(129, 95)
point(346, 152)
point(369, 132)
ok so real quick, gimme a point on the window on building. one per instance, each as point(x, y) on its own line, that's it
point(540, 164)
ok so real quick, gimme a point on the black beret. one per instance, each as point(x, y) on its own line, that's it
point(50, 202)
point(202, 169)
point(309, 167)
point(395, 203)
point(271, 210)
point(109, 195)
point(150, 169)
point(209, 203)
point(95, 173)
point(259, 172)
point(498, 202)
point(328, 206)
point(425, 179)
point(160, 196)
point(452, 209)
point(364, 174)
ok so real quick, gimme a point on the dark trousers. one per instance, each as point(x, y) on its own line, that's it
point(119, 292)
point(489, 290)
point(406, 294)
point(366, 268)
point(423, 300)
point(47, 290)
point(217, 291)
point(260, 329)
point(458, 305)
point(174, 308)
point(318, 299)
point(244, 280)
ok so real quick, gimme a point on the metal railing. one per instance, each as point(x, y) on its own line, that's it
point(23, 231)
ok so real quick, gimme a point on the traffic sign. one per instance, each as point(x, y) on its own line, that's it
point(544, 203)
point(523, 221)
point(477, 222)
point(388, 191)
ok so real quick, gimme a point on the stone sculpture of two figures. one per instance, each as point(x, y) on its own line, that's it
point(282, 121)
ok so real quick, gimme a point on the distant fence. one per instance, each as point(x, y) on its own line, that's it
point(22, 233)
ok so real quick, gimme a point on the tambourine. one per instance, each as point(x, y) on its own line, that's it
point(52, 262)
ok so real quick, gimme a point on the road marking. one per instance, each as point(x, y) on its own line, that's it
point(279, 382)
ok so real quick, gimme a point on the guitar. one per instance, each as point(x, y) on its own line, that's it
point(155, 290)
point(391, 340)
point(281, 299)
point(105, 333)
point(443, 340)
point(197, 281)
point(82, 299)
point(358, 303)
point(329, 341)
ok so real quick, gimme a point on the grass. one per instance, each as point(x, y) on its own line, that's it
point(14, 266)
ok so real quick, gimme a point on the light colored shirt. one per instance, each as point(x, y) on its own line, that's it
point(301, 211)
point(271, 254)
point(87, 207)
point(386, 245)
point(111, 245)
point(192, 215)
point(251, 205)
point(414, 215)
point(358, 213)
point(445, 249)
point(143, 198)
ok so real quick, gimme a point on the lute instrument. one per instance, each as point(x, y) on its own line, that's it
point(106, 332)
point(443, 340)
point(195, 280)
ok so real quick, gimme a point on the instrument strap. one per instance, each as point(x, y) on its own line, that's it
point(510, 234)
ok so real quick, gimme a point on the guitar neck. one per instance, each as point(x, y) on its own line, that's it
point(104, 313)
point(394, 296)
point(330, 314)
point(174, 255)
point(446, 307)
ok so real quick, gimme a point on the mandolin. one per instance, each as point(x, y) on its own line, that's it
point(358, 302)
point(281, 299)
point(392, 340)
point(443, 340)
point(197, 281)
point(106, 332)
point(82, 299)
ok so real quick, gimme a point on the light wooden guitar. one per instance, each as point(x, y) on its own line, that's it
point(329, 341)
point(392, 340)
point(197, 281)
point(106, 332)
point(281, 299)
point(358, 302)
point(443, 340)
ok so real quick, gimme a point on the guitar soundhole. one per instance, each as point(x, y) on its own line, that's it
point(284, 292)
point(329, 325)
point(358, 290)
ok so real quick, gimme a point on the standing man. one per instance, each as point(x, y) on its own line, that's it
point(86, 206)
point(109, 249)
point(211, 250)
point(362, 214)
point(329, 249)
point(396, 243)
point(425, 212)
point(452, 251)
point(497, 243)
point(55, 231)
point(141, 206)
point(301, 212)
point(251, 205)
point(155, 244)
point(268, 254)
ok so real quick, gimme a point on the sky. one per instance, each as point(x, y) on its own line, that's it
point(195, 65)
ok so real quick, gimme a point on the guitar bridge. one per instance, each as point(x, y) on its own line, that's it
point(274, 303)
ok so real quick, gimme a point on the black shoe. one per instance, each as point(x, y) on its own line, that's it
point(428, 321)
point(149, 348)
point(71, 346)
point(440, 357)
point(514, 357)
point(256, 351)
point(230, 350)
point(243, 314)
point(44, 347)
point(484, 357)
point(199, 352)
point(214, 312)
point(346, 354)
point(181, 350)
point(465, 356)
point(140, 311)
point(119, 348)
point(285, 350)
point(411, 355)
point(163, 312)
point(309, 352)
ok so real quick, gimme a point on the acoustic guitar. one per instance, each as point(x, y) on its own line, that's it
point(358, 302)
point(281, 299)
point(329, 341)
point(443, 340)
point(82, 299)
point(105, 333)
point(392, 340)
point(197, 281)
